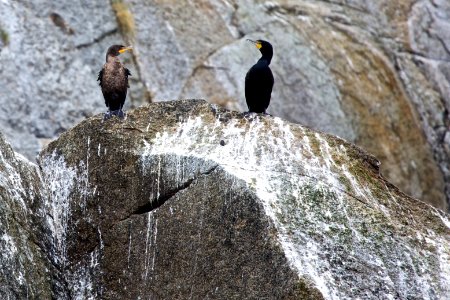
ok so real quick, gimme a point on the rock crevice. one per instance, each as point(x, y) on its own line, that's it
point(162, 199)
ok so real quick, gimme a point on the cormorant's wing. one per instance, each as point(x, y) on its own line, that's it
point(100, 77)
point(258, 87)
point(248, 83)
point(252, 84)
point(127, 73)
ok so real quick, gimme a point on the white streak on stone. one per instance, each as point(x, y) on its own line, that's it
point(264, 164)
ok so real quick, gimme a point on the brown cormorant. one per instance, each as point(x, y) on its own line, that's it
point(114, 81)
point(259, 80)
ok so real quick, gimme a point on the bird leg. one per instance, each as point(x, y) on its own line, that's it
point(110, 113)
point(249, 115)
point(119, 112)
point(107, 115)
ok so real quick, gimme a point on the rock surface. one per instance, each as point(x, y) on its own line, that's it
point(380, 85)
point(208, 204)
point(28, 269)
point(376, 73)
point(49, 66)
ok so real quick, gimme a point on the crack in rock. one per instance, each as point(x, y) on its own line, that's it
point(97, 39)
point(148, 207)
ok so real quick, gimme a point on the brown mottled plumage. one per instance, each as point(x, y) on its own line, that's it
point(114, 81)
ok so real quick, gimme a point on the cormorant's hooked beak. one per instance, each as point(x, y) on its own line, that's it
point(257, 44)
point(125, 49)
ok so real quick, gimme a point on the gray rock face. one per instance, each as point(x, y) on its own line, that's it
point(373, 72)
point(427, 76)
point(369, 72)
point(49, 67)
point(28, 268)
point(209, 204)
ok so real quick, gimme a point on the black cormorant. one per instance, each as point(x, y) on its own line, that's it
point(114, 81)
point(259, 80)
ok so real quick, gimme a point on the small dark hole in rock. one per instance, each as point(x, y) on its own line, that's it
point(222, 143)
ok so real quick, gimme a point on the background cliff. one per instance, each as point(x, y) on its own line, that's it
point(376, 73)
point(188, 200)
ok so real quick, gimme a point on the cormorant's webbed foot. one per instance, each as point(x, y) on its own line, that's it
point(121, 114)
point(118, 113)
point(107, 116)
point(110, 113)
point(252, 113)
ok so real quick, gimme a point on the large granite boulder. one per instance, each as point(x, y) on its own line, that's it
point(187, 200)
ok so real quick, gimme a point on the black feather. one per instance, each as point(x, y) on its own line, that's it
point(100, 77)
point(259, 81)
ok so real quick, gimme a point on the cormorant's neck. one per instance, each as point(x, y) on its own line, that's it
point(267, 56)
point(266, 59)
point(112, 58)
